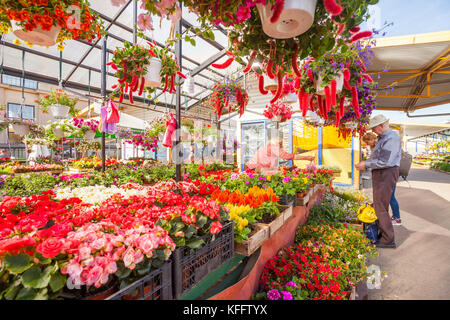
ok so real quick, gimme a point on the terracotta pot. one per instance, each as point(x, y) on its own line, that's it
point(37, 35)
point(59, 110)
point(296, 18)
point(153, 76)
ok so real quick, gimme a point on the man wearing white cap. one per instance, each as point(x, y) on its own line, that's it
point(384, 162)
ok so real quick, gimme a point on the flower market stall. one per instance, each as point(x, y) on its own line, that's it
point(191, 227)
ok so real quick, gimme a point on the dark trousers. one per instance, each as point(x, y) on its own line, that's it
point(383, 182)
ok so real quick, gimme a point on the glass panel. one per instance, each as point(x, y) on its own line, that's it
point(28, 112)
point(253, 138)
point(14, 111)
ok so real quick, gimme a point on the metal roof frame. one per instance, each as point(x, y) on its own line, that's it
point(69, 85)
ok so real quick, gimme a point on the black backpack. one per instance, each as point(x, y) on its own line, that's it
point(405, 165)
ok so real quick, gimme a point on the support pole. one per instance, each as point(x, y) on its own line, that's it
point(179, 57)
point(103, 93)
point(135, 10)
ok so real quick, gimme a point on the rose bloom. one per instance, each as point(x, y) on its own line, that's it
point(50, 248)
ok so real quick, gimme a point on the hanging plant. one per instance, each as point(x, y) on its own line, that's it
point(229, 96)
point(320, 91)
point(47, 22)
point(60, 103)
point(278, 111)
point(249, 41)
point(133, 63)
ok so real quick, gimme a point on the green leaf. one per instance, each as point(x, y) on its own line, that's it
point(27, 294)
point(18, 263)
point(57, 282)
point(13, 289)
point(42, 260)
point(189, 231)
point(201, 220)
point(37, 278)
point(195, 244)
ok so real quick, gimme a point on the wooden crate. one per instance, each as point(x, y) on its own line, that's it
point(276, 224)
point(247, 247)
point(303, 201)
point(357, 225)
point(286, 211)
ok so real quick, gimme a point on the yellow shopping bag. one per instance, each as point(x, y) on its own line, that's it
point(367, 214)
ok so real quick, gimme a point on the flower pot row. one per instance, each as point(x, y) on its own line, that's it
point(261, 232)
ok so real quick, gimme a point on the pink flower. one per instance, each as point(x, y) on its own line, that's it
point(85, 253)
point(177, 15)
point(73, 269)
point(147, 244)
point(98, 244)
point(94, 275)
point(243, 13)
point(138, 256)
point(111, 267)
point(144, 22)
point(128, 258)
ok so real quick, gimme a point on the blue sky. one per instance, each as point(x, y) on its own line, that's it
point(414, 17)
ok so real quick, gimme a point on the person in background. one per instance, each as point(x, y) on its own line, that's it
point(384, 162)
point(371, 139)
point(265, 159)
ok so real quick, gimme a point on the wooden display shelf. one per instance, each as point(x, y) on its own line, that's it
point(254, 242)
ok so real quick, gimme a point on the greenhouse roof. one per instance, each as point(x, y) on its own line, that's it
point(418, 73)
point(81, 61)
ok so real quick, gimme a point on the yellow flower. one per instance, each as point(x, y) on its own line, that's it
point(60, 47)
point(269, 178)
point(28, 44)
point(17, 42)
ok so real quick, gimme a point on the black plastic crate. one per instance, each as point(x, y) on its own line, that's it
point(287, 200)
point(192, 266)
point(157, 285)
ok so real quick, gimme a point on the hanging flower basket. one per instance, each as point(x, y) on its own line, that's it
point(59, 110)
point(89, 135)
point(339, 84)
point(21, 129)
point(290, 98)
point(270, 84)
point(58, 132)
point(153, 77)
point(37, 36)
point(295, 18)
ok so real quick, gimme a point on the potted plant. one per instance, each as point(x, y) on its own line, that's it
point(250, 43)
point(278, 112)
point(63, 128)
point(141, 69)
point(229, 96)
point(89, 127)
point(59, 103)
point(287, 18)
point(20, 127)
point(46, 23)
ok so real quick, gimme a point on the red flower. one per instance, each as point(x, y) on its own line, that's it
point(50, 248)
point(13, 245)
point(216, 227)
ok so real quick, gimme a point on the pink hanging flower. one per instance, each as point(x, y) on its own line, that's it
point(144, 22)
point(118, 3)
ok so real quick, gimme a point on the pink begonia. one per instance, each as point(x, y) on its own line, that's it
point(94, 275)
point(144, 22)
point(85, 253)
point(128, 258)
point(118, 3)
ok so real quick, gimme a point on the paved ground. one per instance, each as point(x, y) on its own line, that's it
point(420, 266)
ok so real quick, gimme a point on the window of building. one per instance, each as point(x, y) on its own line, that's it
point(17, 81)
point(17, 111)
